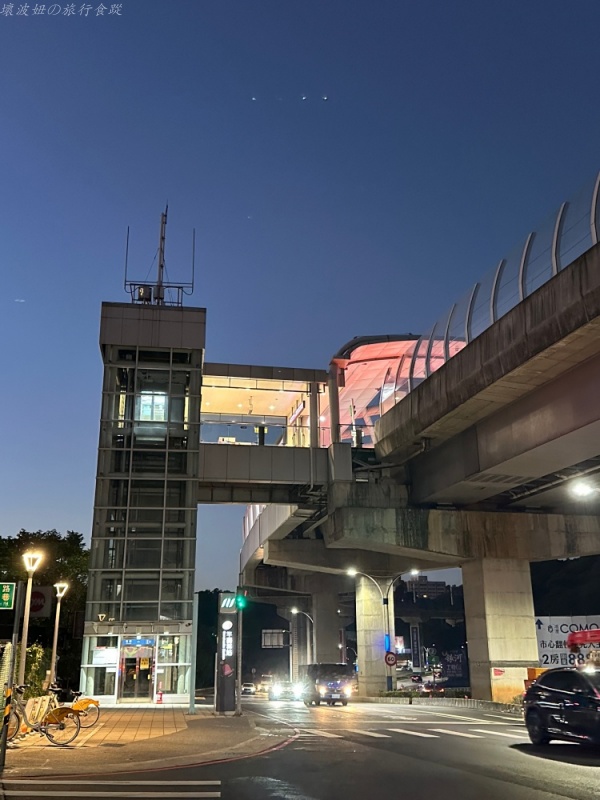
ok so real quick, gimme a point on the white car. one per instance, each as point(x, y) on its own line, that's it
point(248, 688)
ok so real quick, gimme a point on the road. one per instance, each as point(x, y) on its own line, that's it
point(363, 752)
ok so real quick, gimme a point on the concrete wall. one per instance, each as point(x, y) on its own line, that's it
point(130, 324)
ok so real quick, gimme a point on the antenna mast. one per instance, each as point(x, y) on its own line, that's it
point(143, 292)
point(159, 294)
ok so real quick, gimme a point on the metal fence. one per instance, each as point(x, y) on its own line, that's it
point(565, 236)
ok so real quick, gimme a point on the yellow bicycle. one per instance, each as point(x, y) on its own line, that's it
point(60, 725)
point(87, 708)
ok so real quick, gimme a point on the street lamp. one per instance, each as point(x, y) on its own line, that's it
point(32, 561)
point(414, 573)
point(61, 588)
point(295, 610)
point(352, 572)
point(582, 489)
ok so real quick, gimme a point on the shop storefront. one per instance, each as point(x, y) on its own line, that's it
point(140, 669)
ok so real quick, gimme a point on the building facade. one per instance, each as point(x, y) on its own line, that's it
point(138, 628)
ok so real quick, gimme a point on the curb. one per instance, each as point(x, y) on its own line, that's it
point(206, 759)
point(450, 702)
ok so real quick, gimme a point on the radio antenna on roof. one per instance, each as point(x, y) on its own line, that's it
point(143, 292)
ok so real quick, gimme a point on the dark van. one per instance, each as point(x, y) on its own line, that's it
point(327, 683)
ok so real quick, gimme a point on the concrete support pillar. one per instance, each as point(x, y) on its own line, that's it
point(326, 630)
point(371, 627)
point(500, 626)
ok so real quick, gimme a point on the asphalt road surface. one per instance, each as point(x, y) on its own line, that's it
point(366, 752)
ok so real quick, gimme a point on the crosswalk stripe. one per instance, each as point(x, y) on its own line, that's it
point(369, 733)
point(116, 782)
point(496, 733)
point(456, 733)
point(472, 720)
point(414, 733)
point(121, 795)
point(317, 732)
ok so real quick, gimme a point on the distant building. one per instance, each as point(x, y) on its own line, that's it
point(423, 587)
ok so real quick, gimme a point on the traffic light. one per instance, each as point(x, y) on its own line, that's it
point(241, 599)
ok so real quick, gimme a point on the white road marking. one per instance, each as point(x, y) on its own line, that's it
point(498, 716)
point(115, 782)
point(414, 733)
point(462, 716)
point(318, 732)
point(456, 733)
point(448, 722)
point(520, 733)
point(158, 795)
point(369, 733)
point(496, 733)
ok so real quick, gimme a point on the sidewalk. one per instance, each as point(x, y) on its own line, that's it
point(149, 738)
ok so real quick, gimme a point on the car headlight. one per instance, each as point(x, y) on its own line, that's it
point(322, 692)
point(277, 691)
point(348, 691)
point(298, 690)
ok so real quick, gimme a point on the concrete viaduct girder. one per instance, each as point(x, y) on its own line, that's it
point(547, 335)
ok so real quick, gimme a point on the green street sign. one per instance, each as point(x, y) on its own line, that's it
point(434, 661)
point(7, 596)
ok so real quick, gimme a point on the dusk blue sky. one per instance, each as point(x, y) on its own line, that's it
point(451, 128)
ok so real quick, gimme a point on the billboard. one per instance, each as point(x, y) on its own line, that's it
point(552, 635)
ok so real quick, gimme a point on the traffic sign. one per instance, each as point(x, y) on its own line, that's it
point(7, 596)
point(390, 659)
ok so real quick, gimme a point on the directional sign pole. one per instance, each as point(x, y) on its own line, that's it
point(238, 680)
point(11, 672)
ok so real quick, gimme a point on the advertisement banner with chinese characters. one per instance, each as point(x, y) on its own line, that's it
point(415, 647)
point(226, 654)
point(455, 668)
point(552, 635)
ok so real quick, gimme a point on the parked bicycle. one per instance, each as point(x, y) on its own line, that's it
point(88, 708)
point(59, 725)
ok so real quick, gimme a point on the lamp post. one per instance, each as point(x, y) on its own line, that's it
point(61, 588)
point(352, 650)
point(309, 648)
point(386, 613)
point(414, 574)
point(32, 561)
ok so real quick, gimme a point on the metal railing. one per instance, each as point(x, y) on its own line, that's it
point(565, 236)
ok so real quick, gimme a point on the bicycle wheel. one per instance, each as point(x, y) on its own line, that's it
point(64, 730)
point(89, 717)
point(14, 725)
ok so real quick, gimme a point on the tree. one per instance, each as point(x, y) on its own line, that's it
point(65, 559)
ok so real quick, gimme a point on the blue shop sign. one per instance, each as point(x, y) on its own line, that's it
point(138, 642)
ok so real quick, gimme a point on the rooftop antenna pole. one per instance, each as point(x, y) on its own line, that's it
point(126, 256)
point(160, 292)
point(193, 255)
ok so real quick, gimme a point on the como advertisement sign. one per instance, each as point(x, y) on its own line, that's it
point(552, 635)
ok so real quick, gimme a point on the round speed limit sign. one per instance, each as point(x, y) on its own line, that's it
point(390, 659)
